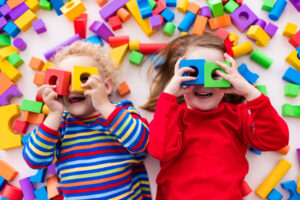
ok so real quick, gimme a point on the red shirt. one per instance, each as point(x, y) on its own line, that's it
point(202, 154)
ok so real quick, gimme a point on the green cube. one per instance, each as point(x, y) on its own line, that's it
point(4, 40)
point(45, 5)
point(136, 57)
point(290, 110)
point(15, 60)
point(261, 58)
point(268, 5)
point(169, 28)
point(209, 82)
point(262, 89)
point(231, 6)
point(291, 90)
point(32, 106)
point(152, 3)
point(216, 7)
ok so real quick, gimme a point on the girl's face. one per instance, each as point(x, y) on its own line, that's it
point(204, 99)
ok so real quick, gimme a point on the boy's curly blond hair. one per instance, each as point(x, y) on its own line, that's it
point(81, 48)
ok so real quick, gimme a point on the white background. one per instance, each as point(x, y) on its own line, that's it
point(60, 29)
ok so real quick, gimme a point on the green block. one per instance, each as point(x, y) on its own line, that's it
point(152, 3)
point(261, 58)
point(216, 7)
point(268, 5)
point(136, 57)
point(45, 5)
point(291, 90)
point(262, 89)
point(231, 6)
point(4, 40)
point(209, 82)
point(169, 28)
point(289, 110)
point(32, 106)
point(15, 60)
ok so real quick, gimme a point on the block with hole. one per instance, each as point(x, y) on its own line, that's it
point(115, 22)
point(80, 75)
point(45, 5)
point(61, 79)
point(268, 5)
point(36, 64)
point(247, 74)
point(15, 60)
point(290, 30)
point(169, 28)
point(293, 59)
point(277, 10)
point(231, 6)
point(211, 80)
point(123, 89)
point(261, 58)
point(291, 187)
point(291, 90)
point(136, 58)
point(123, 14)
point(73, 9)
point(243, 17)
point(11, 92)
point(198, 66)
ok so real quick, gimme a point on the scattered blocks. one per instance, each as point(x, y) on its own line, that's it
point(95, 39)
point(218, 22)
point(247, 74)
point(62, 80)
point(7, 172)
point(73, 9)
point(257, 33)
point(268, 5)
point(4, 40)
point(80, 24)
point(11, 92)
point(293, 60)
point(41, 193)
point(15, 60)
point(32, 106)
point(134, 45)
point(39, 26)
point(117, 55)
point(155, 22)
point(168, 15)
point(117, 41)
point(183, 5)
point(261, 58)
point(11, 29)
point(295, 39)
point(292, 188)
point(123, 14)
point(136, 57)
point(20, 126)
point(291, 90)
point(27, 188)
point(39, 177)
point(24, 22)
point(36, 63)
point(38, 78)
point(243, 18)
point(123, 89)
point(209, 81)
point(101, 29)
point(187, 21)
point(292, 75)
point(169, 28)
point(289, 110)
point(242, 49)
point(52, 184)
point(231, 6)
point(262, 89)
point(274, 195)
point(198, 66)
point(12, 192)
point(80, 75)
point(111, 8)
point(33, 118)
point(199, 25)
point(115, 22)
point(19, 44)
point(277, 10)
point(290, 30)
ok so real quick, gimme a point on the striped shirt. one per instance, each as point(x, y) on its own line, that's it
point(96, 158)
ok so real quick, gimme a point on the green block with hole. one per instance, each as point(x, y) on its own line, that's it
point(45, 5)
point(136, 57)
point(291, 90)
point(31, 106)
point(152, 3)
point(4, 40)
point(209, 82)
point(289, 110)
point(262, 89)
point(216, 7)
point(268, 5)
point(231, 6)
point(15, 60)
point(169, 28)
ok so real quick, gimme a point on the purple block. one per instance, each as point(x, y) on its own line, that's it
point(155, 22)
point(101, 30)
point(48, 54)
point(18, 11)
point(296, 4)
point(52, 169)
point(4, 10)
point(39, 26)
point(27, 189)
point(260, 22)
point(111, 8)
point(298, 154)
point(3, 22)
point(271, 29)
point(205, 12)
point(20, 44)
point(243, 17)
point(5, 98)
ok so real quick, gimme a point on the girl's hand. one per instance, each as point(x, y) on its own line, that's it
point(240, 85)
point(51, 99)
point(174, 86)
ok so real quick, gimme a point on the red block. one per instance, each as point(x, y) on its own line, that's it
point(246, 189)
point(222, 33)
point(39, 98)
point(62, 80)
point(240, 2)
point(20, 126)
point(295, 39)
point(150, 48)
point(115, 22)
point(12, 193)
point(80, 24)
point(160, 6)
point(115, 41)
point(59, 197)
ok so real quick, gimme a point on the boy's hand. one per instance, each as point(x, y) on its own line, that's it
point(99, 95)
point(240, 86)
point(51, 99)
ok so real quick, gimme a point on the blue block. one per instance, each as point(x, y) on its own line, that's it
point(247, 74)
point(41, 193)
point(277, 9)
point(171, 3)
point(11, 29)
point(274, 195)
point(291, 186)
point(157, 61)
point(198, 65)
point(3, 198)
point(144, 8)
point(292, 75)
point(254, 151)
point(57, 4)
point(2, 2)
point(187, 21)
point(298, 50)
point(95, 39)
point(2, 183)
point(39, 177)
point(167, 14)
point(25, 138)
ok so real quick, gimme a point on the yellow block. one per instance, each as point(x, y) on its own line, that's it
point(24, 22)
point(46, 66)
point(258, 34)
point(183, 5)
point(134, 45)
point(7, 51)
point(242, 49)
point(143, 23)
point(73, 9)
point(45, 109)
point(289, 30)
point(298, 185)
point(273, 178)
point(79, 75)
point(33, 5)
point(117, 54)
point(183, 33)
point(10, 71)
point(8, 139)
point(233, 37)
point(293, 60)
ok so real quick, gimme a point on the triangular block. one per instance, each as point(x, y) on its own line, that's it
point(117, 54)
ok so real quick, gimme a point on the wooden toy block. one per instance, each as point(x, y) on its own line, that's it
point(11, 29)
point(5, 83)
point(143, 23)
point(257, 33)
point(284, 150)
point(14, 3)
point(233, 37)
point(4, 40)
point(289, 110)
point(144, 8)
point(31, 106)
point(111, 8)
point(156, 22)
point(41, 193)
point(242, 18)
point(273, 178)
point(268, 5)
point(10, 71)
point(199, 25)
point(262, 89)
point(33, 5)
point(39, 177)
point(134, 45)
point(167, 14)
point(198, 66)
point(57, 4)
point(171, 3)
point(291, 90)
point(222, 33)
point(293, 60)
point(39, 26)
point(52, 184)
point(7, 172)
point(246, 189)
point(11, 192)
point(7, 51)
point(19, 44)
point(193, 7)
point(271, 29)
point(27, 188)
point(231, 6)
point(73, 9)
point(150, 48)
point(218, 22)
point(136, 57)
point(183, 5)
point(33, 118)
point(216, 7)
point(115, 22)
point(296, 4)
point(15, 60)
point(60, 78)
point(209, 81)
point(101, 29)
point(117, 41)
point(274, 195)
point(46, 66)
point(169, 28)
point(45, 109)
point(247, 74)
point(38, 78)
point(24, 22)
point(292, 75)
point(94, 39)
point(261, 58)
point(242, 49)
point(80, 75)
point(80, 25)
point(123, 14)
point(291, 187)
point(277, 9)
point(11, 92)
point(290, 30)
point(45, 5)
point(36, 63)
point(152, 4)
point(187, 21)
point(295, 39)
point(123, 89)
point(2, 182)
point(101, 3)
point(160, 6)
point(20, 126)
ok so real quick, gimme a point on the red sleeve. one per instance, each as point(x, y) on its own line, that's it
point(165, 137)
point(262, 128)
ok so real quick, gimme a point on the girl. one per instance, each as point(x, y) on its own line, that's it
point(201, 139)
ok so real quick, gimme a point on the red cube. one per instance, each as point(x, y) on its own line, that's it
point(115, 22)
point(20, 126)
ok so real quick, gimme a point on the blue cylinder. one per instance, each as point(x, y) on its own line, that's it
point(277, 9)
point(187, 21)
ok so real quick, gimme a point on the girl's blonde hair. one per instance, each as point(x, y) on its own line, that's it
point(81, 48)
point(170, 54)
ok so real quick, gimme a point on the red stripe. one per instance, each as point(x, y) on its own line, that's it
point(141, 141)
point(34, 166)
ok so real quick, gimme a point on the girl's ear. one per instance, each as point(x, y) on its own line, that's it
point(108, 85)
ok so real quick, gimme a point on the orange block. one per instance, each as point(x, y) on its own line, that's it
point(200, 25)
point(123, 14)
point(33, 118)
point(52, 184)
point(284, 150)
point(218, 22)
point(101, 3)
point(123, 89)
point(14, 3)
point(193, 7)
point(39, 78)
point(5, 83)
point(36, 63)
point(7, 172)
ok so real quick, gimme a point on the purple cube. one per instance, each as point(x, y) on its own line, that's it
point(205, 11)
point(155, 22)
point(18, 11)
point(19, 44)
point(101, 30)
point(3, 22)
point(260, 22)
point(4, 10)
point(243, 17)
point(296, 4)
point(271, 29)
point(39, 26)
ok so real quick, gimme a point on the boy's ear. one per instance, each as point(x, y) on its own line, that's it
point(108, 85)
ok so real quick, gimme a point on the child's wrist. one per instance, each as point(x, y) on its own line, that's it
point(252, 94)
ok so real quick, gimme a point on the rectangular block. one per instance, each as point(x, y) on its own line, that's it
point(200, 25)
point(24, 22)
point(7, 171)
point(10, 71)
point(73, 9)
point(111, 8)
point(33, 118)
point(32, 106)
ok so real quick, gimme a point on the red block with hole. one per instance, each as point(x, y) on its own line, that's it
point(116, 41)
point(20, 126)
point(160, 6)
point(80, 24)
point(115, 22)
point(62, 80)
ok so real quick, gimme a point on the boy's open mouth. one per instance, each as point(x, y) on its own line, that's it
point(75, 99)
point(203, 94)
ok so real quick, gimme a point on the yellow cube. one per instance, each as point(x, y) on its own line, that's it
point(7, 51)
point(289, 30)
point(258, 34)
point(293, 60)
point(33, 5)
point(134, 45)
point(24, 22)
point(73, 9)
point(183, 5)
point(46, 66)
point(10, 71)
point(80, 75)
point(233, 37)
